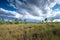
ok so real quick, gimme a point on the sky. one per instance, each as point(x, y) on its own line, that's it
point(31, 10)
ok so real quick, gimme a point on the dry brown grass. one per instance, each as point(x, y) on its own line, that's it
point(30, 32)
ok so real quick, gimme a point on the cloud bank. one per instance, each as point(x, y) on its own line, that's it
point(32, 9)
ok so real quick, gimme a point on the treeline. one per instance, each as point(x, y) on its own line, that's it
point(18, 21)
point(15, 21)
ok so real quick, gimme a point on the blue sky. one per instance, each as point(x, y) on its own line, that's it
point(57, 6)
point(34, 10)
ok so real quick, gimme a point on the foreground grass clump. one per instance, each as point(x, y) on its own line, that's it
point(30, 31)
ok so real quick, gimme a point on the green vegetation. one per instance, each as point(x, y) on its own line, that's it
point(21, 30)
point(20, 21)
point(16, 21)
point(46, 20)
point(52, 19)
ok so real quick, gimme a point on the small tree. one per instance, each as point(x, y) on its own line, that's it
point(46, 20)
point(42, 21)
point(25, 21)
point(20, 20)
point(7, 22)
point(51, 19)
point(2, 21)
point(16, 21)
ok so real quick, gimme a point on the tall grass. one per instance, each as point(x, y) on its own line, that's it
point(49, 31)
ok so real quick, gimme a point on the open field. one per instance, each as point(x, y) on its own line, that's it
point(47, 31)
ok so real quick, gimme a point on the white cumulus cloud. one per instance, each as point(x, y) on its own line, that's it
point(16, 15)
point(33, 9)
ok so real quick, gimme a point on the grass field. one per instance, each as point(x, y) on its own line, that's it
point(49, 31)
